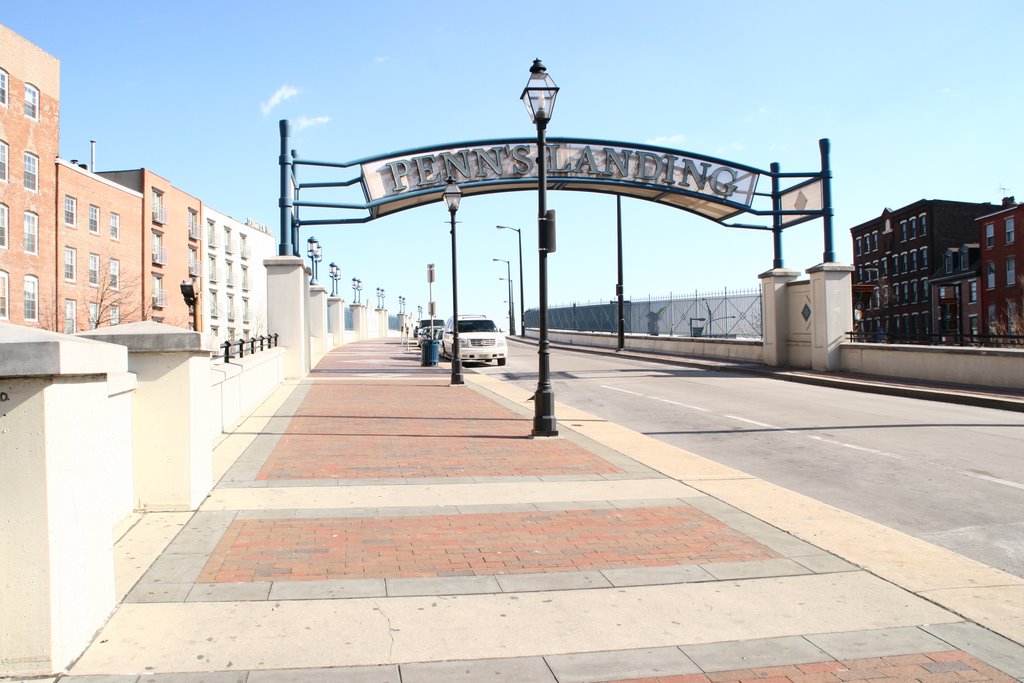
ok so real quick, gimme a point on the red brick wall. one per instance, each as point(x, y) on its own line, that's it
point(26, 63)
point(110, 198)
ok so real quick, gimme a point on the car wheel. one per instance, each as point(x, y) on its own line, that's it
point(501, 361)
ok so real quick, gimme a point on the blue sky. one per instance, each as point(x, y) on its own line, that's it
point(920, 99)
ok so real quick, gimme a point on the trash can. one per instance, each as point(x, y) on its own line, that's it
point(430, 352)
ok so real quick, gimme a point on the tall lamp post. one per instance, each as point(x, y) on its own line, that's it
point(539, 98)
point(380, 297)
point(335, 276)
point(522, 299)
point(315, 257)
point(452, 197)
point(357, 286)
point(511, 304)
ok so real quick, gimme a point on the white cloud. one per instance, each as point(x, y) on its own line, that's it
point(667, 140)
point(949, 92)
point(306, 122)
point(381, 60)
point(283, 93)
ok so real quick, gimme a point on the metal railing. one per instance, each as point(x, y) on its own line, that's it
point(160, 215)
point(160, 299)
point(725, 314)
point(159, 256)
point(950, 338)
point(265, 342)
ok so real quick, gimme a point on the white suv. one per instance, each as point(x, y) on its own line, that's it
point(479, 340)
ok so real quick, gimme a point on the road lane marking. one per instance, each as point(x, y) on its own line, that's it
point(624, 391)
point(754, 422)
point(994, 480)
point(684, 405)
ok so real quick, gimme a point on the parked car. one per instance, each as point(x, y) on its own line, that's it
point(479, 339)
point(428, 328)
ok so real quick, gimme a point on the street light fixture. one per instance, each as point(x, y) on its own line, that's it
point(452, 197)
point(315, 257)
point(511, 305)
point(380, 297)
point(539, 98)
point(335, 276)
point(357, 286)
point(522, 299)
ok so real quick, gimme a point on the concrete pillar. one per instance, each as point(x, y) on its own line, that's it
point(831, 313)
point(776, 315)
point(318, 323)
point(359, 321)
point(382, 322)
point(288, 312)
point(56, 545)
point(172, 443)
point(335, 321)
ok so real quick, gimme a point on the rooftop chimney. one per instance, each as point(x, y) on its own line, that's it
point(1008, 201)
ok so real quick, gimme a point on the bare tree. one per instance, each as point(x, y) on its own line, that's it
point(115, 299)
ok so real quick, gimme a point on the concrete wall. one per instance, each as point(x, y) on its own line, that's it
point(238, 387)
point(732, 349)
point(1003, 368)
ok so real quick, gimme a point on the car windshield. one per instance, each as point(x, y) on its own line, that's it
point(477, 326)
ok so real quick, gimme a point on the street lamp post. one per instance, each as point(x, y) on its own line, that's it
point(511, 304)
point(452, 197)
point(357, 286)
point(315, 256)
point(335, 276)
point(539, 98)
point(522, 299)
point(380, 297)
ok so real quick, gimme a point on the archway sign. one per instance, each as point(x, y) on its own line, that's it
point(706, 186)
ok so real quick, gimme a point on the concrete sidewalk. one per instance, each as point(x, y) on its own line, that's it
point(374, 523)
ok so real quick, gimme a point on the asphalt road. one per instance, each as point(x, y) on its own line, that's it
point(949, 474)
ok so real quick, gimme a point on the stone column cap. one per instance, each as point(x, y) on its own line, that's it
point(149, 336)
point(31, 352)
point(830, 268)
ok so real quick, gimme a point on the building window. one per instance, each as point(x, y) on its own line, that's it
point(213, 268)
point(964, 258)
point(211, 233)
point(990, 235)
point(193, 224)
point(70, 262)
point(913, 260)
point(31, 172)
point(972, 291)
point(903, 231)
point(903, 259)
point(159, 253)
point(159, 212)
point(906, 293)
point(70, 316)
point(3, 88)
point(924, 258)
point(923, 223)
point(992, 318)
point(245, 278)
point(913, 228)
point(115, 226)
point(1011, 271)
point(896, 294)
point(94, 315)
point(895, 264)
point(924, 289)
point(858, 247)
point(31, 298)
point(31, 102)
point(70, 211)
point(31, 233)
point(949, 262)
point(3, 226)
point(913, 291)
point(990, 275)
point(115, 274)
point(193, 262)
point(5, 289)
point(159, 295)
point(874, 241)
point(94, 270)
point(3, 160)
point(115, 315)
point(1009, 230)
point(94, 219)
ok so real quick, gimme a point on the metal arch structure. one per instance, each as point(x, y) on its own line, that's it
point(709, 187)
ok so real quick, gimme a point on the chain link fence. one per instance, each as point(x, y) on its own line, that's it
point(726, 314)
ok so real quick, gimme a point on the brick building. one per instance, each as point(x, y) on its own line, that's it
point(895, 253)
point(99, 280)
point(955, 296)
point(1002, 254)
point(29, 125)
point(171, 241)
